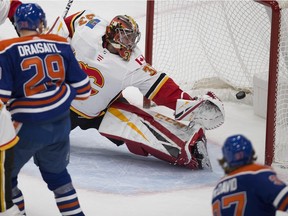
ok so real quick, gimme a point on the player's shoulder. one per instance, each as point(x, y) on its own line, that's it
point(54, 37)
point(248, 173)
point(252, 169)
point(88, 27)
point(6, 43)
point(87, 18)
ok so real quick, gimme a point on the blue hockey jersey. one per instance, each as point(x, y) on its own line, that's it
point(249, 191)
point(39, 77)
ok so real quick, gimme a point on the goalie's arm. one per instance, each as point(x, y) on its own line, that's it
point(206, 110)
point(13, 6)
point(166, 92)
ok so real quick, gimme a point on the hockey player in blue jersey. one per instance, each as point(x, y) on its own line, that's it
point(8, 138)
point(248, 189)
point(39, 78)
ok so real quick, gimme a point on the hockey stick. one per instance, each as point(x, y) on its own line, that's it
point(65, 12)
point(67, 8)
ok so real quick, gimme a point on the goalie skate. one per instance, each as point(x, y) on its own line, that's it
point(200, 153)
point(194, 154)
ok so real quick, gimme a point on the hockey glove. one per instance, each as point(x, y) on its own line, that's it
point(207, 111)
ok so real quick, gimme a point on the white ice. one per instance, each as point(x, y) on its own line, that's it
point(111, 181)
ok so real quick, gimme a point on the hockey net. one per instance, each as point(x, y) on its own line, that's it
point(222, 45)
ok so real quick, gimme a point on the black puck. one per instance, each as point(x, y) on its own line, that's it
point(240, 95)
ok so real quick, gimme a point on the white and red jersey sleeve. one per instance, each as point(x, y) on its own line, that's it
point(7, 9)
point(158, 87)
point(4, 10)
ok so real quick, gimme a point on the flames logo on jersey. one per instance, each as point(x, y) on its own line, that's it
point(95, 76)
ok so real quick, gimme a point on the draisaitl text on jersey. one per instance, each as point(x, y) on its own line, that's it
point(37, 48)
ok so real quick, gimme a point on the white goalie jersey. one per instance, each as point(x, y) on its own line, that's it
point(8, 136)
point(143, 131)
point(4, 10)
point(109, 74)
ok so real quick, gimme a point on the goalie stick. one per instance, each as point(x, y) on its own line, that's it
point(67, 8)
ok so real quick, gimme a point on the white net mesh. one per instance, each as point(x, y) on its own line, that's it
point(281, 121)
point(221, 45)
point(200, 43)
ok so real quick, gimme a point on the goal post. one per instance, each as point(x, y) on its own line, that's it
point(223, 46)
point(272, 77)
point(149, 40)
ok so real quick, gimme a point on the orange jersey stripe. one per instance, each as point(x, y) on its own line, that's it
point(283, 205)
point(86, 89)
point(249, 168)
point(52, 37)
point(41, 102)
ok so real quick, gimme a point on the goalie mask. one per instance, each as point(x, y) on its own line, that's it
point(123, 34)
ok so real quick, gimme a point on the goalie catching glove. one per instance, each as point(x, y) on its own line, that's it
point(207, 111)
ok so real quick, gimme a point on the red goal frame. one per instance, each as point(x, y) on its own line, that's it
point(273, 72)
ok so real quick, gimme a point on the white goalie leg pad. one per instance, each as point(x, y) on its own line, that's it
point(202, 150)
point(59, 28)
point(153, 133)
point(196, 149)
point(199, 150)
point(129, 127)
point(207, 111)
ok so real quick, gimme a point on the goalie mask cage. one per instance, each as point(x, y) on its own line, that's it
point(222, 45)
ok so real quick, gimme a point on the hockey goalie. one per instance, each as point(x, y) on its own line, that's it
point(108, 53)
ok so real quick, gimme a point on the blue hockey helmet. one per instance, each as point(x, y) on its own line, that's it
point(29, 17)
point(237, 151)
